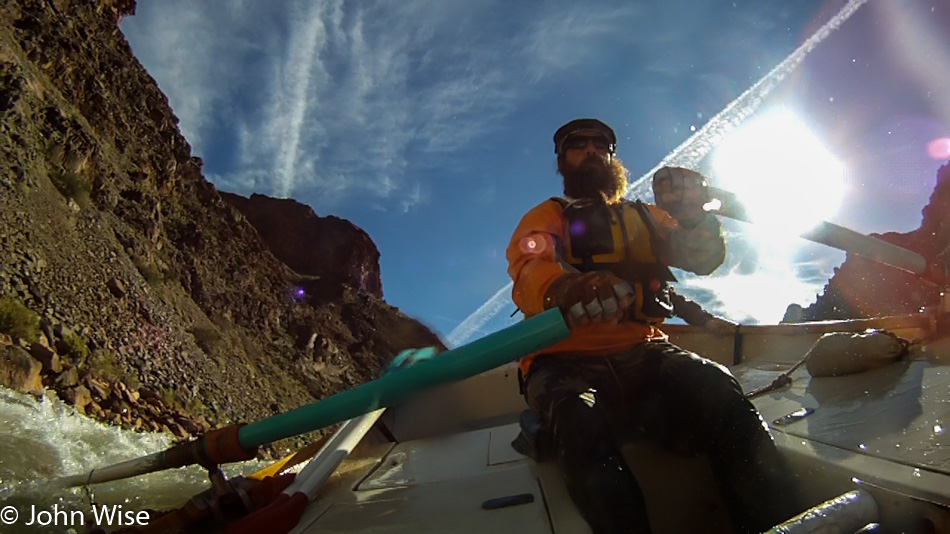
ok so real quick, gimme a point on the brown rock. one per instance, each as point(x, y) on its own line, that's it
point(78, 397)
point(190, 426)
point(94, 410)
point(116, 406)
point(131, 397)
point(100, 391)
point(116, 287)
point(69, 378)
point(150, 396)
point(176, 429)
point(47, 357)
point(19, 371)
point(202, 421)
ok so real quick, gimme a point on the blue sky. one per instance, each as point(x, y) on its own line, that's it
point(429, 123)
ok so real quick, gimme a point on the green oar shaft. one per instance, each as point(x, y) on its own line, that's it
point(468, 360)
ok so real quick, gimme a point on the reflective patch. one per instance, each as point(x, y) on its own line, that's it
point(589, 397)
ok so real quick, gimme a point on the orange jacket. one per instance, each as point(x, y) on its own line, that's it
point(532, 266)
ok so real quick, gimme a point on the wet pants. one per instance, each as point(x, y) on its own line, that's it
point(590, 405)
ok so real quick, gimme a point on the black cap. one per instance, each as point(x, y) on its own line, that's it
point(577, 125)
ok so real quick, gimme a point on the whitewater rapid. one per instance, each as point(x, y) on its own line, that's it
point(40, 441)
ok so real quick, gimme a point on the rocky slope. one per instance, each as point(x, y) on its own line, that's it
point(862, 288)
point(128, 286)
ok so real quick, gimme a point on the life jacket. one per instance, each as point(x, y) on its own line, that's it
point(620, 238)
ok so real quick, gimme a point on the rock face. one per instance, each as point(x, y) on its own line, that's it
point(145, 308)
point(19, 371)
point(862, 288)
point(332, 249)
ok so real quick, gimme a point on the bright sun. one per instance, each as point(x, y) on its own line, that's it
point(783, 175)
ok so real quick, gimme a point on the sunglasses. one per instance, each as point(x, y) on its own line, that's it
point(580, 142)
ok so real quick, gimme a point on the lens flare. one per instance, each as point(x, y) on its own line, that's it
point(939, 148)
point(296, 294)
point(578, 228)
point(533, 244)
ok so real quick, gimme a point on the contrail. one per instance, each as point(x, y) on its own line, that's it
point(690, 152)
point(300, 73)
point(464, 331)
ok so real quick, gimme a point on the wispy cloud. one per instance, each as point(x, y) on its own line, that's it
point(415, 197)
point(327, 99)
point(569, 34)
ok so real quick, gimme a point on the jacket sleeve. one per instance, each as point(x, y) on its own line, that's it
point(689, 311)
point(700, 249)
point(532, 262)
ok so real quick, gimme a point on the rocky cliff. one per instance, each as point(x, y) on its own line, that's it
point(128, 286)
point(332, 250)
point(862, 288)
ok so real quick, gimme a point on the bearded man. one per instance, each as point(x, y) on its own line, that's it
point(604, 261)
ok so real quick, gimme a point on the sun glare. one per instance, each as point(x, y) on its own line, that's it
point(759, 297)
point(781, 172)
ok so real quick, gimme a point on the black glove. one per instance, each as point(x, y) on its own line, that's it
point(586, 298)
point(681, 193)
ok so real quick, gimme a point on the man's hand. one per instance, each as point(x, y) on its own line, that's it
point(681, 193)
point(586, 298)
point(410, 357)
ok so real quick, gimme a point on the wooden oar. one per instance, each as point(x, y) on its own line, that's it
point(848, 240)
point(291, 460)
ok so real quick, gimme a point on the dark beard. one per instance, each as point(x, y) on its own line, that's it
point(595, 179)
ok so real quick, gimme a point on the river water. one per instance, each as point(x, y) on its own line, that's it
point(44, 440)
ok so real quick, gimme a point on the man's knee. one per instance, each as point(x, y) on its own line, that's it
point(711, 380)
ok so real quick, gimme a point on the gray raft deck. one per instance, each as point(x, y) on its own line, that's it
point(885, 427)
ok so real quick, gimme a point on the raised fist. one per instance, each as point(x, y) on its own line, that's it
point(681, 193)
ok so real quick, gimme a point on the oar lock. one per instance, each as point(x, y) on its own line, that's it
point(210, 451)
point(217, 447)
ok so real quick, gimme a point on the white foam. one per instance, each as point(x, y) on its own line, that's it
point(40, 441)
